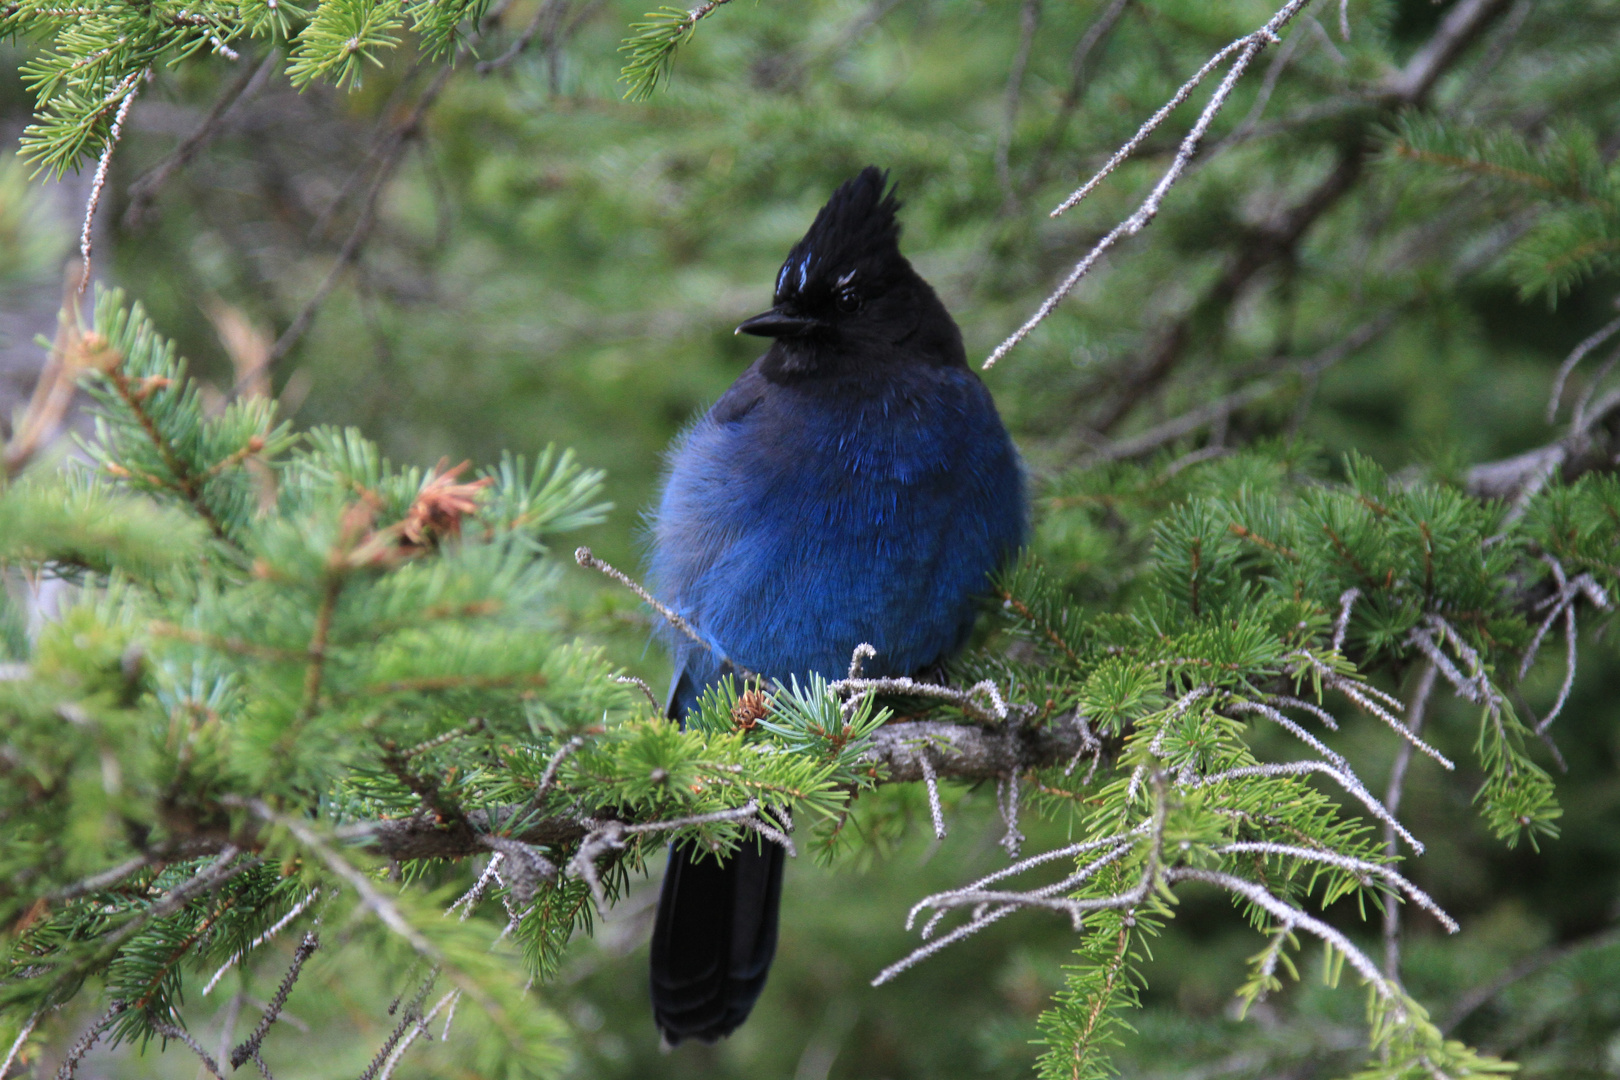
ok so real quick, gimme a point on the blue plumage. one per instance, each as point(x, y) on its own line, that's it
point(854, 485)
point(796, 525)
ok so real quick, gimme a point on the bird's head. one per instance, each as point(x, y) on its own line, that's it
point(846, 299)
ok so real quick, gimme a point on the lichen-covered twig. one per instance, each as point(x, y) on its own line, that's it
point(1244, 49)
point(609, 836)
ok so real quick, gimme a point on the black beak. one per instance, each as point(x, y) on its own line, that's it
point(778, 323)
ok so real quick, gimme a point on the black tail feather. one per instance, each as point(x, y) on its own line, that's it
point(714, 939)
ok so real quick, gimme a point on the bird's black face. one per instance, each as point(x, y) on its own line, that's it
point(846, 297)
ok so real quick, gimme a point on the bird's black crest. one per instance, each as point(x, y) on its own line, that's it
point(856, 230)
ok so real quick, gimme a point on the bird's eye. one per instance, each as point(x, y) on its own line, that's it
point(848, 301)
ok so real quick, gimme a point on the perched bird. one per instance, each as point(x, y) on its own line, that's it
point(854, 485)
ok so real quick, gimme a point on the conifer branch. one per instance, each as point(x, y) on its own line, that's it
point(650, 48)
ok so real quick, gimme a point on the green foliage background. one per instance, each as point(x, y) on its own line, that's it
point(555, 265)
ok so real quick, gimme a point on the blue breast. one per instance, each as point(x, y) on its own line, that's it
point(797, 523)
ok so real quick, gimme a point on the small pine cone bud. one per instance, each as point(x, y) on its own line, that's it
point(750, 709)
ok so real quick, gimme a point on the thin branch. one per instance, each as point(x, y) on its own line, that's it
point(54, 389)
point(250, 1046)
point(1007, 803)
point(1360, 867)
point(1368, 698)
point(545, 15)
point(81, 1046)
point(1244, 49)
point(17, 1044)
point(373, 900)
point(475, 895)
point(280, 925)
point(1472, 1001)
point(585, 558)
point(1332, 764)
point(896, 753)
point(397, 142)
point(609, 836)
point(1342, 624)
point(1029, 21)
point(646, 691)
point(1080, 73)
point(125, 91)
point(1556, 395)
point(1291, 916)
point(419, 1030)
point(1276, 239)
point(410, 1020)
point(143, 192)
point(96, 883)
point(962, 699)
point(931, 782)
point(991, 906)
point(1392, 800)
point(179, 1034)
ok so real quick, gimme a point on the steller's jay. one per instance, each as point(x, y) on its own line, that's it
point(854, 485)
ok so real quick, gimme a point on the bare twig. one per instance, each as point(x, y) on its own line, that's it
point(931, 782)
point(280, 925)
point(475, 895)
point(145, 188)
point(17, 1044)
point(181, 1035)
point(589, 561)
point(641, 684)
point(1360, 867)
point(1007, 803)
point(1556, 395)
point(1028, 21)
point(963, 699)
point(250, 1046)
point(546, 15)
point(1244, 49)
point(1562, 604)
point(1275, 239)
point(1471, 1002)
point(1392, 801)
point(1290, 916)
point(858, 656)
point(1373, 700)
point(989, 906)
point(1080, 72)
point(96, 883)
point(372, 899)
point(1342, 623)
point(81, 1046)
point(548, 778)
point(410, 1020)
point(394, 150)
point(525, 866)
point(612, 836)
point(124, 93)
point(419, 1029)
point(53, 390)
point(1346, 779)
